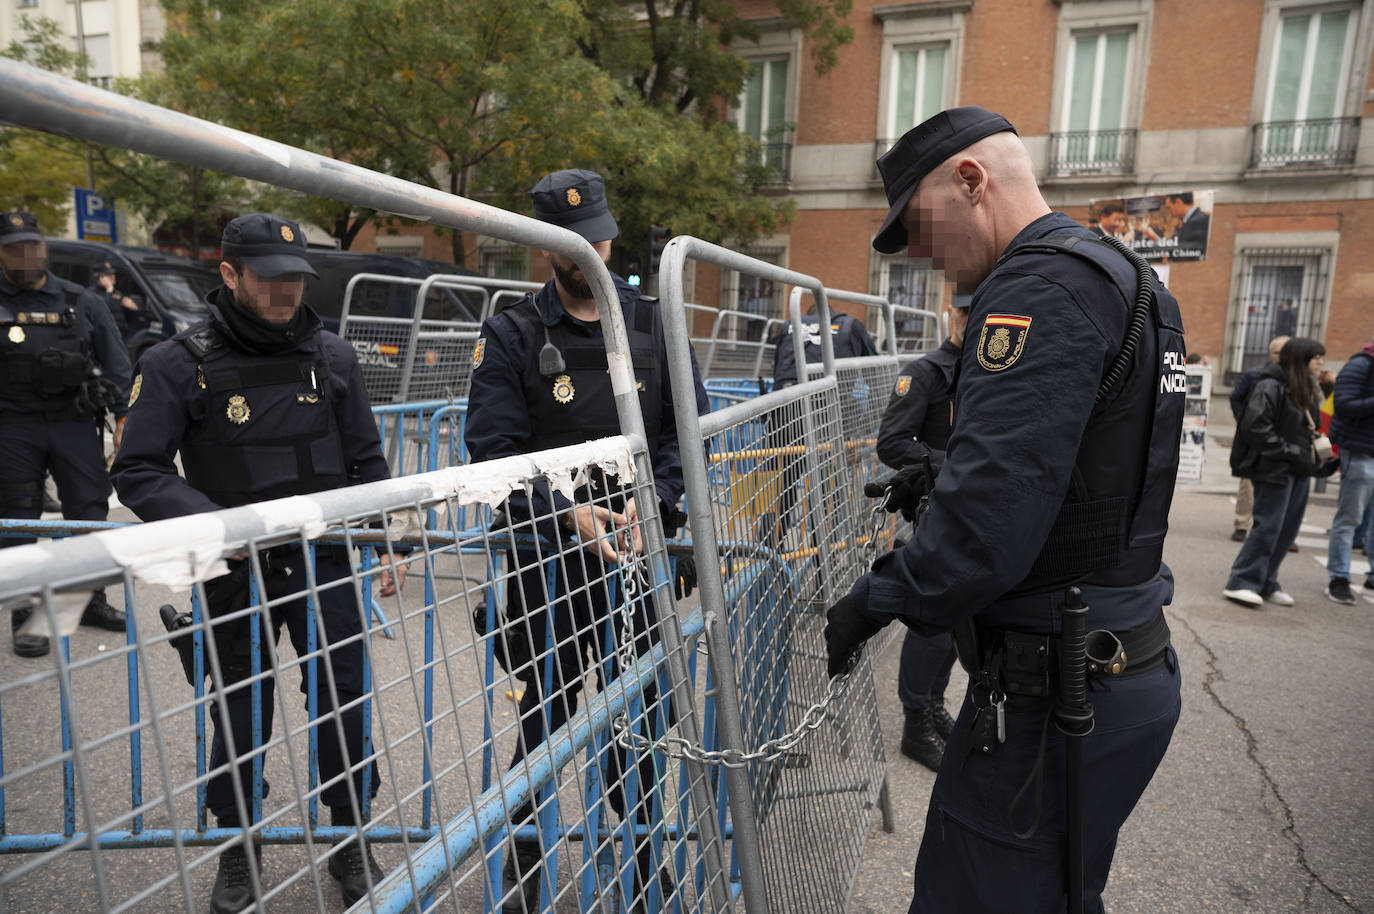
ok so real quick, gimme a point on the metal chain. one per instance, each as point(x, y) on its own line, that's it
point(878, 517)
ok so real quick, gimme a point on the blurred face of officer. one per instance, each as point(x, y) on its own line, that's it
point(273, 300)
point(943, 225)
point(570, 277)
point(25, 262)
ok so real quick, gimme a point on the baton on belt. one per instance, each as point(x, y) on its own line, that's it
point(1073, 715)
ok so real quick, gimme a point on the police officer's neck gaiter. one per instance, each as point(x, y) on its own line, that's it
point(255, 332)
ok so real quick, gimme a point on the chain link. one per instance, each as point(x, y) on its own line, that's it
point(878, 517)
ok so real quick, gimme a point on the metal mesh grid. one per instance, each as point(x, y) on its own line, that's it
point(780, 483)
point(381, 344)
point(434, 708)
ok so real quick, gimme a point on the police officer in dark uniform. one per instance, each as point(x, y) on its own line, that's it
point(123, 310)
point(1057, 484)
point(848, 336)
point(262, 402)
point(62, 367)
point(915, 428)
point(540, 381)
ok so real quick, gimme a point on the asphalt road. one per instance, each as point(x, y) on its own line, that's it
point(1265, 800)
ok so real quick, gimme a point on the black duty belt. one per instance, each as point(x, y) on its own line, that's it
point(67, 413)
point(1030, 662)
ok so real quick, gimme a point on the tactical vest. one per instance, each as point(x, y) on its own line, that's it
point(43, 352)
point(841, 335)
point(577, 404)
point(269, 428)
point(1110, 528)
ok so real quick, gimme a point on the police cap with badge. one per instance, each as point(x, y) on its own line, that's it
point(917, 154)
point(575, 199)
point(16, 227)
point(268, 245)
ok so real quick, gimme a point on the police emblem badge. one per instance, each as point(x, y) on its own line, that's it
point(16, 221)
point(478, 351)
point(200, 376)
point(138, 385)
point(287, 235)
point(238, 409)
point(16, 334)
point(903, 385)
point(563, 390)
point(574, 198)
point(1002, 340)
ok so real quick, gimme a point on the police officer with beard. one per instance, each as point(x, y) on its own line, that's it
point(262, 402)
point(62, 367)
point(1059, 473)
point(540, 381)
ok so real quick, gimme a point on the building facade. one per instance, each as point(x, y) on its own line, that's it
point(1263, 102)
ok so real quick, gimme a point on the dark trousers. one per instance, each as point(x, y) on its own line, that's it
point(1278, 516)
point(971, 861)
point(923, 672)
point(71, 450)
point(582, 639)
point(338, 610)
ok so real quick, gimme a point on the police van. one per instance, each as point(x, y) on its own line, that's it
point(169, 290)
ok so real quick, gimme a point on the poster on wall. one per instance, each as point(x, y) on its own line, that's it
point(1173, 227)
point(1193, 444)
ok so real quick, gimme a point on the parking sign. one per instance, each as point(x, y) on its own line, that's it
point(95, 218)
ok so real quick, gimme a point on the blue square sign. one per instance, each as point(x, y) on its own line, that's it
point(95, 217)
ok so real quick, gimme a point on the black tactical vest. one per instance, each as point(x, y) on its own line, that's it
point(1110, 529)
point(841, 335)
point(577, 404)
point(269, 428)
point(43, 352)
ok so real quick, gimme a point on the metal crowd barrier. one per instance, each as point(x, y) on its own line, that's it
point(740, 344)
point(421, 356)
point(769, 492)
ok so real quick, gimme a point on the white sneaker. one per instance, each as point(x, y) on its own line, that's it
point(1279, 598)
point(1244, 597)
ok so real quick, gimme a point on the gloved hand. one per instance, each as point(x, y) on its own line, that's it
point(685, 575)
point(846, 631)
point(909, 485)
point(96, 396)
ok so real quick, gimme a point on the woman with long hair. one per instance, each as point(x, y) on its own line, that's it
point(1274, 449)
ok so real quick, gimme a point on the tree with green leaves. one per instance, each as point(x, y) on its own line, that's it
point(481, 98)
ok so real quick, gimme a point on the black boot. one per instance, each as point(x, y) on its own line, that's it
point(520, 878)
point(644, 870)
point(27, 645)
point(233, 891)
point(940, 719)
point(100, 614)
point(353, 862)
point(920, 742)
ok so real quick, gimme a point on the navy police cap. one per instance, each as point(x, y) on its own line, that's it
point(916, 155)
point(576, 200)
point(17, 226)
point(268, 245)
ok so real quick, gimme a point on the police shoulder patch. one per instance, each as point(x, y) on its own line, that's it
point(478, 351)
point(903, 385)
point(138, 386)
point(1002, 340)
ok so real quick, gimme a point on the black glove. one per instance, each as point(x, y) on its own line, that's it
point(846, 631)
point(685, 575)
point(908, 486)
point(96, 396)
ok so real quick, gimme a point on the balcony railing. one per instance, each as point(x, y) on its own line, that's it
point(778, 158)
point(1092, 152)
point(1326, 141)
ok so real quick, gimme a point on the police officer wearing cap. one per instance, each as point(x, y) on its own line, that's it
point(62, 367)
point(911, 439)
point(123, 310)
point(262, 402)
point(1055, 493)
point(540, 381)
point(848, 335)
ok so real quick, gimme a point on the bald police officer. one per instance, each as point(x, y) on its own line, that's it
point(62, 367)
point(540, 381)
point(262, 402)
point(1073, 492)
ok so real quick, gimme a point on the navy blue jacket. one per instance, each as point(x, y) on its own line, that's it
point(169, 398)
point(498, 423)
point(1012, 454)
point(1352, 423)
point(920, 413)
point(107, 346)
point(848, 334)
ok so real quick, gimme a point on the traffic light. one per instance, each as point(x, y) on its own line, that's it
point(632, 271)
point(658, 240)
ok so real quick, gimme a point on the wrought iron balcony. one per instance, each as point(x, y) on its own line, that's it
point(778, 158)
point(1092, 152)
point(1322, 142)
